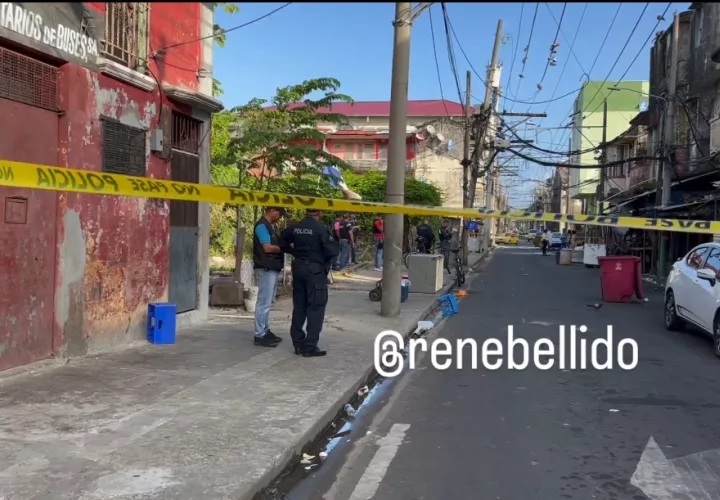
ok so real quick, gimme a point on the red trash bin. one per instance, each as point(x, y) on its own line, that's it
point(618, 277)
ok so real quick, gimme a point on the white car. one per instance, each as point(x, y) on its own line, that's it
point(692, 292)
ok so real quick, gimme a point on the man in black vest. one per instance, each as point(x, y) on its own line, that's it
point(314, 250)
point(268, 262)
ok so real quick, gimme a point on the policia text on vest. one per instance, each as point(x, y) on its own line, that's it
point(314, 251)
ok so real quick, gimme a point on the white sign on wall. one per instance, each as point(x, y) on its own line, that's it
point(67, 39)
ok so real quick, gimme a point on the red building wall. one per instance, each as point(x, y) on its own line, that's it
point(107, 256)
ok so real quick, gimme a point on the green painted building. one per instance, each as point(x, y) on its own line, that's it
point(587, 131)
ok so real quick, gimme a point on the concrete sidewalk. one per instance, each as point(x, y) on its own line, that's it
point(211, 417)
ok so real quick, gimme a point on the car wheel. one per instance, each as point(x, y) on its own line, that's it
point(672, 321)
point(716, 335)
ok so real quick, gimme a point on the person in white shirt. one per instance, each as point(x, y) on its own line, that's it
point(545, 241)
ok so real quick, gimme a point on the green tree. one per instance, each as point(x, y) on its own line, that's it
point(372, 186)
point(274, 137)
point(220, 38)
point(283, 138)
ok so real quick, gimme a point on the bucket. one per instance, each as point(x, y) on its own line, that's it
point(252, 293)
point(250, 305)
point(404, 290)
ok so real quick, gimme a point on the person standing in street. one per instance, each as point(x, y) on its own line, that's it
point(379, 235)
point(545, 241)
point(444, 237)
point(314, 250)
point(425, 237)
point(268, 262)
point(355, 230)
point(346, 241)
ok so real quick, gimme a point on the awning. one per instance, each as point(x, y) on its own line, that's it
point(650, 191)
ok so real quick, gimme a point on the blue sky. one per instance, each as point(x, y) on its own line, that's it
point(353, 43)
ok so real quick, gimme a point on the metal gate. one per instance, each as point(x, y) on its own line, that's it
point(184, 235)
point(28, 217)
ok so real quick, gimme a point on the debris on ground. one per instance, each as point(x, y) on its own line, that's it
point(362, 391)
point(308, 457)
point(595, 306)
point(323, 454)
point(422, 327)
point(350, 411)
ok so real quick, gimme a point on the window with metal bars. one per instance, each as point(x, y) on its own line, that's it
point(123, 148)
point(186, 133)
point(27, 80)
point(126, 33)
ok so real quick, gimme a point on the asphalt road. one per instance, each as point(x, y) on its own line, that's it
point(555, 434)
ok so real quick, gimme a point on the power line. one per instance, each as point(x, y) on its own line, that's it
point(437, 65)
point(527, 49)
point(589, 72)
point(567, 60)
point(552, 49)
point(637, 23)
point(661, 18)
point(516, 42)
point(451, 55)
point(223, 31)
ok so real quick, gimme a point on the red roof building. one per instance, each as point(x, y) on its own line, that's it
point(432, 107)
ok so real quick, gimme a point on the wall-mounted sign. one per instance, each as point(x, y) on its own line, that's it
point(69, 31)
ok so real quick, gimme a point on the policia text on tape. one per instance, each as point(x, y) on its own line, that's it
point(33, 176)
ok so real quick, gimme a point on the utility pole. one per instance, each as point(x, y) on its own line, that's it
point(466, 160)
point(567, 185)
point(489, 132)
point(397, 158)
point(603, 157)
point(669, 141)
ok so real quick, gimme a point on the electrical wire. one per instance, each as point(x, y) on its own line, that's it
point(661, 18)
point(527, 49)
point(223, 31)
point(589, 72)
point(583, 167)
point(637, 23)
point(517, 46)
point(557, 33)
point(451, 56)
point(437, 64)
point(567, 60)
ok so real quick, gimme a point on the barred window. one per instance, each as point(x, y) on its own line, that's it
point(123, 148)
point(125, 33)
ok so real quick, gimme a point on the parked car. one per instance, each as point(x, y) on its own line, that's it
point(556, 240)
point(531, 234)
point(507, 239)
point(692, 292)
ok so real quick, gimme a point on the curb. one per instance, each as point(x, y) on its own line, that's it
point(294, 451)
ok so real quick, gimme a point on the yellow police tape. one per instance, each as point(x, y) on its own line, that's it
point(33, 176)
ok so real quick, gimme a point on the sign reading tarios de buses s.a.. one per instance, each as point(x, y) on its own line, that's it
point(55, 28)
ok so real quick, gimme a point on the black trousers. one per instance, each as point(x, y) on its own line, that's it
point(544, 246)
point(310, 296)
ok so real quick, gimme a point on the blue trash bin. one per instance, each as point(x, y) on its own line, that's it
point(161, 323)
point(404, 290)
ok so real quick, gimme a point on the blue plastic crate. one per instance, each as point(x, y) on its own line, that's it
point(161, 323)
point(448, 304)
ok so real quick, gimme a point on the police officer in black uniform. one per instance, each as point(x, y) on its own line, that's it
point(314, 250)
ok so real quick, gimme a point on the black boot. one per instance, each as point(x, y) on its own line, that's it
point(265, 342)
point(298, 350)
point(314, 352)
point(270, 335)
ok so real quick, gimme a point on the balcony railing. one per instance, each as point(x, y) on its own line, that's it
point(361, 166)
